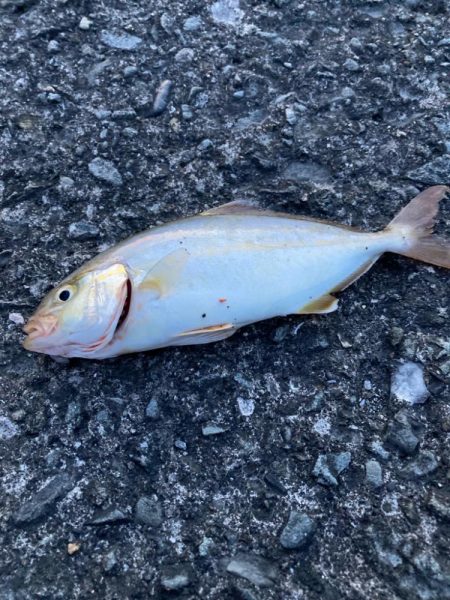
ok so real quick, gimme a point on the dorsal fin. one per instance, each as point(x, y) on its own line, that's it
point(243, 207)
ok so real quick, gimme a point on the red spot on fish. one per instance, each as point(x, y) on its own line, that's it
point(222, 300)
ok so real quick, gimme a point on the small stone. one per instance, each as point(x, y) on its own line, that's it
point(329, 466)
point(184, 55)
point(16, 318)
point(239, 94)
point(291, 116)
point(444, 42)
point(82, 231)
point(65, 183)
point(186, 112)
point(152, 411)
point(149, 511)
point(130, 71)
point(73, 547)
point(205, 546)
point(53, 46)
point(208, 430)
point(205, 145)
point(226, 12)
point(351, 65)
point(424, 464)
point(246, 406)
point(84, 23)
point(110, 516)
point(401, 436)
point(43, 500)
point(176, 577)
point(433, 172)
point(298, 531)
point(192, 23)
point(374, 473)
point(105, 170)
point(120, 41)
point(255, 569)
point(396, 335)
point(110, 562)
point(8, 429)
point(408, 385)
point(180, 445)
point(377, 448)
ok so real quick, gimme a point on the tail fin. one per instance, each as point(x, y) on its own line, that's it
point(416, 221)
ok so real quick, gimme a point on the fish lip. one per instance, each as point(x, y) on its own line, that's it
point(39, 326)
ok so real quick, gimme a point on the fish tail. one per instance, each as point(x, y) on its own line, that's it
point(415, 224)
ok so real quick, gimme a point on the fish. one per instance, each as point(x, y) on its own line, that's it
point(199, 279)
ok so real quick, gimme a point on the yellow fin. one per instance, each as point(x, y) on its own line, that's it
point(355, 275)
point(321, 305)
point(204, 335)
point(165, 274)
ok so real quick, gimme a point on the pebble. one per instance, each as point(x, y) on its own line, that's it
point(298, 531)
point(329, 466)
point(432, 173)
point(192, 23)
point(105, 171)
point(82, 231)
point(226, 12)
point(43, 501)
point(351, 65)
point(152, 411)
point(239, 94)
point(149, 511)
point(205, 546)
point(180, 445)
point(208, 430)
point(109, 562)
point(176, 577)
point(53, 46)
point(424, 464)
point(255, 569)
point(408, 385)
point(302, 172)
point(374, 473)
point(246, 406)
point(8, 429)
point(186, 112)
point(162, 97)
point(184, 55)
point(84, 24)
point(16, 318)
point(401, 436)
point(205, 145)
point(120, 41)
point(65, 183)
point(109, 516)
point(130, 71)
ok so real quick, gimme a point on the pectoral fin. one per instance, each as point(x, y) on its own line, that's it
point(322, 305)
point(204, 335)
point(165, 274)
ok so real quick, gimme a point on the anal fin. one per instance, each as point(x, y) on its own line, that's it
point(323, 304)
point(204, 335)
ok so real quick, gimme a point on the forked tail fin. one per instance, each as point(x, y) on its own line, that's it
point(416, 222)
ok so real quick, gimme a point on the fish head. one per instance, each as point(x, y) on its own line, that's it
point(82, 314)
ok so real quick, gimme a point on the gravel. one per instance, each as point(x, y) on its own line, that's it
point(298, 531)
point(105, 133)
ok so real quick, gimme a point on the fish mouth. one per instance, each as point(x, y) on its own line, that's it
point(40, 326)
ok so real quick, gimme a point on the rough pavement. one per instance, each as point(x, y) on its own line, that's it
point(276, 464)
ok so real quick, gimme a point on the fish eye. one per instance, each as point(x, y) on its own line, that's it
point(64, 295)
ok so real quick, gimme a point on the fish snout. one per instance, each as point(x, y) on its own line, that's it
point(40, 326)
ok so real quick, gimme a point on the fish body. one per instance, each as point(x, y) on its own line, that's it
point(199, 279)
